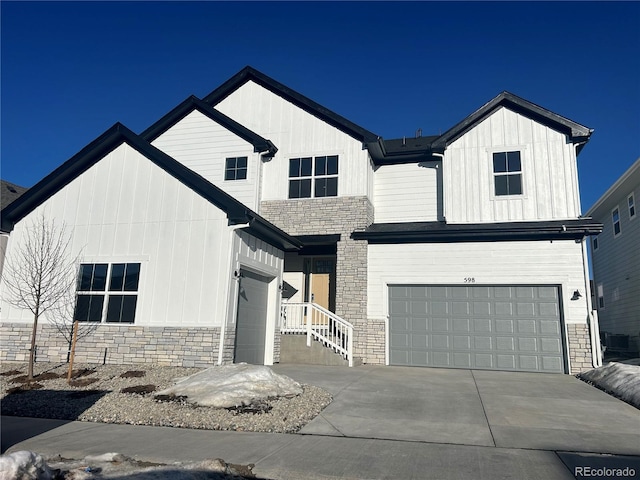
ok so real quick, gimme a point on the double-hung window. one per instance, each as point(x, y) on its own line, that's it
point(507, 173)
point(632, 206)
point(107, 292)
point(313, 177)
point(615, 219)
point(235, 168)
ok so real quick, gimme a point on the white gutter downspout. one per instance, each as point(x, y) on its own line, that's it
point(227, 292)
point(592, 320)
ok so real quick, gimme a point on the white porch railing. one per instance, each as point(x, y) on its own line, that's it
point(319, 324)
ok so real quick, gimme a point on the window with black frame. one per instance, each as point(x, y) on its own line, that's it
point(507, 173)
point(107, 292)
point(313, 177)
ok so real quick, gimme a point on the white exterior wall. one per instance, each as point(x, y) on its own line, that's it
point(410, 192)
point(488, 263)
point(549, 173)
point(203, 145)
point(127, 209)
point(296, 133)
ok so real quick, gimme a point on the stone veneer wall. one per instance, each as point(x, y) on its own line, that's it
point(343, 215)
point(116, 344)
point(579, 348)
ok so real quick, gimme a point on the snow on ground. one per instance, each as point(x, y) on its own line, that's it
point(233, 385)
point(618, 379)
point(25, 465)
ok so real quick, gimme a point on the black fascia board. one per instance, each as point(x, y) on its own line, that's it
point(264, 230)
point(322, 239)
point(192, 103)
point(440, 232)
point(577, 133)
point(249, 73)
point(237, 213)
point(381, 154)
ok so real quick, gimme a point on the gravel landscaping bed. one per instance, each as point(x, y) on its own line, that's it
point(124, 394)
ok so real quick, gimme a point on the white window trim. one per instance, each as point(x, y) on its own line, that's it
point(635, 207)
point(613, 222)
point(524, 165)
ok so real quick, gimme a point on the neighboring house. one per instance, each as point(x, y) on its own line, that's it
point(615, 258)
point(8, 193)
point(463, 250)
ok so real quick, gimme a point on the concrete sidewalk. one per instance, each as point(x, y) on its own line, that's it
point(391, 422)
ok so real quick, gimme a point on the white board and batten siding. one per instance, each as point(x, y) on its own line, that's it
point(203, 145)
point(127, 209)
point(296, 133)
point(410, 192)
point(479, 263)
point(549, 172)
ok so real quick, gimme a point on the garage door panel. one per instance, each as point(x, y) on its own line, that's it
point(484, 360)
point(504, 326)
point(481, 308)
point(483, 343)
point(503, 308)
point(461, 325)
point(251, 318)
point(440, 325)
point(438, 308)
point(488, 327)
point(482, 325)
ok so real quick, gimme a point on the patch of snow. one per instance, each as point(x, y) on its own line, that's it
point(24, 465)
point(619, 379)
point(233, 385)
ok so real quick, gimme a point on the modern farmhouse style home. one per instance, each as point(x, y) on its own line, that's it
point(254, 217)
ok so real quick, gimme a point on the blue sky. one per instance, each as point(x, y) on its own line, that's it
point(71, 70)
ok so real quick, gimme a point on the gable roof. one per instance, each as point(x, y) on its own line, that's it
point(251, 74)
point(192, 103)
point(9, 192)
point(576, 132)
point(237, 213)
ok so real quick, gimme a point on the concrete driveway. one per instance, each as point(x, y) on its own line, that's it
point(471, 407)
point(390, 423)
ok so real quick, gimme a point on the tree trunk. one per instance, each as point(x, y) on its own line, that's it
point(32, 351)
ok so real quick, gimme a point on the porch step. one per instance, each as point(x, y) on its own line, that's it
point(293, 349)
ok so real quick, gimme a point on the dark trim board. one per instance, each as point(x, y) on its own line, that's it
point(438, 232)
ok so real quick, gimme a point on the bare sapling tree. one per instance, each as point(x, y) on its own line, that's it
point(61, 317)
point(39, 273)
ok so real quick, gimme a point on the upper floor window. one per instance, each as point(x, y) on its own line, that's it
point(235, 168)
point(615, 218)
point(107, 292)
point(507, 173)
point(595, 242)
point(313, 177)
point(632, 206)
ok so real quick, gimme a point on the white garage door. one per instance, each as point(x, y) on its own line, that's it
point(481, 327)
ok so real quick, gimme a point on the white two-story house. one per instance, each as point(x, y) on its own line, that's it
point(256, 212)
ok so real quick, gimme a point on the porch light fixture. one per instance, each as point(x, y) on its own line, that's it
point(576, 295)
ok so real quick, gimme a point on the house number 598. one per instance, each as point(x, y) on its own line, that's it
point(469, 280)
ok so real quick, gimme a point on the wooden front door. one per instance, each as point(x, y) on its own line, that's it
point(322, 274)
